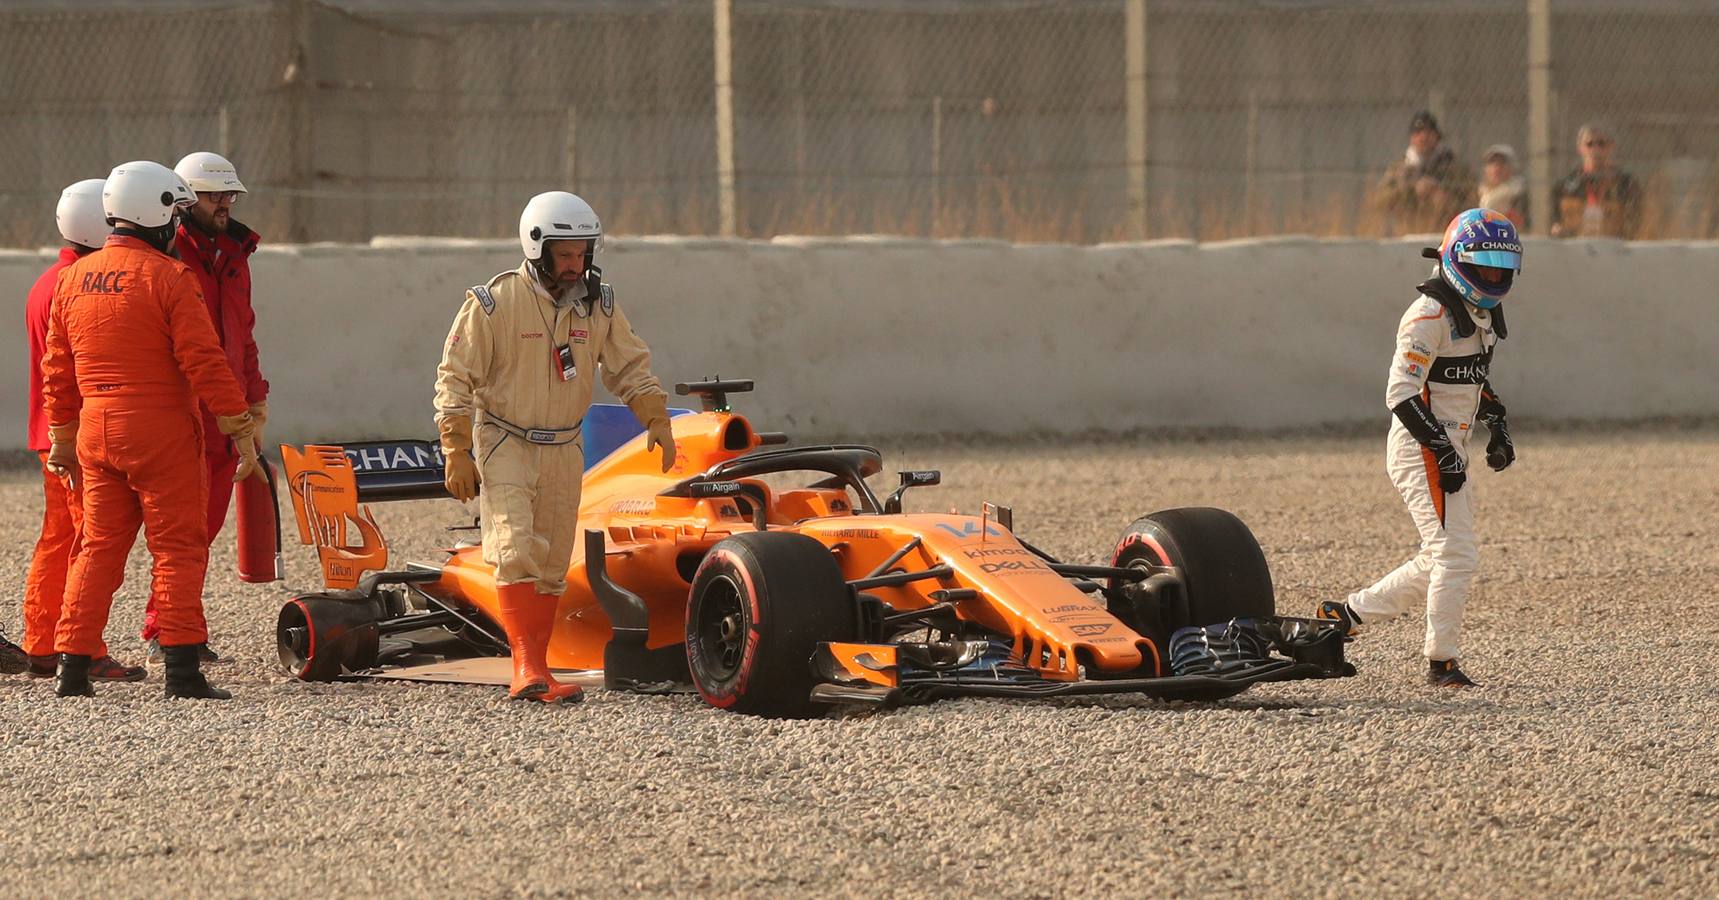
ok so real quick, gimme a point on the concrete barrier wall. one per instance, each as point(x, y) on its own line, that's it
point(877, 336)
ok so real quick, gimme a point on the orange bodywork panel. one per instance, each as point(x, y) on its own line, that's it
point(1056, 628)
point(652, 541)
point(654, 544)
point(871, 663)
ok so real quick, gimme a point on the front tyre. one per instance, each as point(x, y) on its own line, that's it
point(760, 604)
point(1223, 568)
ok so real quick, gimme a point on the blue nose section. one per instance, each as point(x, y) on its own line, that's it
point(608, 426)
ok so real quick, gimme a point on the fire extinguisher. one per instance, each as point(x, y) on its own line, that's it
point(259, 528)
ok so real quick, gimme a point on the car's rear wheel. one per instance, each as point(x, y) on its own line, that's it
point(760, 604)
point(1223, 569)
point(319, 637)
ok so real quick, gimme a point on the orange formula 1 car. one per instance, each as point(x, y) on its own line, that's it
point(786, 601)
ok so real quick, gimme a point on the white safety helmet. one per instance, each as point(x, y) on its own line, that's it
point(80, 216)
point(557, 216)
point(209, 172)
point(144, 193)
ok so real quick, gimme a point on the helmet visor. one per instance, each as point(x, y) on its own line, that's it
point(1496, 259)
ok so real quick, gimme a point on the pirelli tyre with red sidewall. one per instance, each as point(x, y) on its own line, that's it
point(322, 636)
point(760, 605)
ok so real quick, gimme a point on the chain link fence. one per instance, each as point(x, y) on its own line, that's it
point(1033, 120)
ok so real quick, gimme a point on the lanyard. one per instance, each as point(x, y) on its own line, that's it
point(549, 329)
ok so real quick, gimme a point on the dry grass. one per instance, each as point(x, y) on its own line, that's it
point(997, 207)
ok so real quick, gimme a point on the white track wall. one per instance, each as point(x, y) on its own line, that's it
point(869, 336)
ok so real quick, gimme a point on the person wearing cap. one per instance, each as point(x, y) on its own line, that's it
point(83, 226)
point(1597, 199)
point(218, 249)
point(1501, 187)
point(1429, 186)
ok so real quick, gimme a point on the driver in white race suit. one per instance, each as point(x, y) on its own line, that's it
point(1437, 391)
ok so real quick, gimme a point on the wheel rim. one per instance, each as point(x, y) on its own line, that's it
point(293, 640)
point(722, 627)
point(1139, 557)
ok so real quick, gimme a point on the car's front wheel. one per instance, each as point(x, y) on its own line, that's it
point(1224, 573)
point(759, 606)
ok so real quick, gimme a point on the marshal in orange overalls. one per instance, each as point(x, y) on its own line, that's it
point(130, 352)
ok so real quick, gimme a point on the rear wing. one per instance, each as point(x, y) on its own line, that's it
point(385, 471)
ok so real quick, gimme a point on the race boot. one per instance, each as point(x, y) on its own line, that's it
point(74, 680)
point(13, 659)
point(185, 678)
point(529, 617)
point(205, 655)
point(1444, 673)
point(109, 669)
point(43, 666)
point(1339, 611)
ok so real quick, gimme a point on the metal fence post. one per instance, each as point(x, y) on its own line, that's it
point(570, 151)
point(1540, 115)
point(1135, 26)
point(724, 12)
point(298, 85)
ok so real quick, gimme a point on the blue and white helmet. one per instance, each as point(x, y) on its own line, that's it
point(1476, 239)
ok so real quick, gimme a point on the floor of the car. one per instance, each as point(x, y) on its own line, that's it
point(487, 670)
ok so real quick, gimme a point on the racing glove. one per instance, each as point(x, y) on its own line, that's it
point(460, 472)
point(63, 453)
point(1419, 421)
point(652, 412)
point(1500, 452)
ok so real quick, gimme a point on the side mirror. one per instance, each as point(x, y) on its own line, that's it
point(910, 479)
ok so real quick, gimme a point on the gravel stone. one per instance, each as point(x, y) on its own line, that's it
point(1587, 764)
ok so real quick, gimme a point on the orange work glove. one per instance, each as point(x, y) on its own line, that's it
point(460, 473)
point(652, 412)
point(248, 465)
point(63, 453)
point(242, 428)
point(260, 413)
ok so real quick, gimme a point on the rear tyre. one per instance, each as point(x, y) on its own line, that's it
point(760, 604)
point(1223, 568)
point(319, 637)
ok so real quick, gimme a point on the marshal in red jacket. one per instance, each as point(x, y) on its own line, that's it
point(36, 323)
point(223, 266)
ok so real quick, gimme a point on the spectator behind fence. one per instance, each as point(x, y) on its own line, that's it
point(1501, 187)
point(1597, 199)
point(1429, 187)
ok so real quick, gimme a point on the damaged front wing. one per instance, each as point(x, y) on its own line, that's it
point(890, 675)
